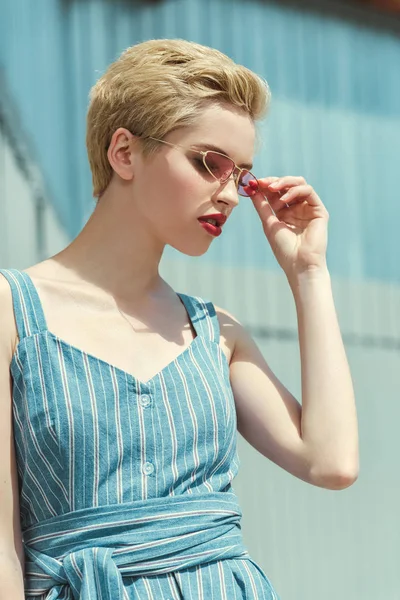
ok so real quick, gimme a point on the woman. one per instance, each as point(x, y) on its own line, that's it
point(127, 396)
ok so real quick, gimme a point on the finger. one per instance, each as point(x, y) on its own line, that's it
point(301, 193)
point(296, 192)
point(266, 201)
point(267, 180)
point(263, 206)
point(254, 188)
point(281, 182)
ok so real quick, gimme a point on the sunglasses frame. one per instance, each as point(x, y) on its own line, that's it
point(236, 171)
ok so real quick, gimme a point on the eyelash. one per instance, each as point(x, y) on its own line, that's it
point(199, 164)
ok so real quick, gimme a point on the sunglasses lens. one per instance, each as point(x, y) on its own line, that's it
point(221, 167)
point(243, 183)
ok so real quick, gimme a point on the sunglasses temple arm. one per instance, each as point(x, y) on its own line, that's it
point(272, 210)
point(267, 201)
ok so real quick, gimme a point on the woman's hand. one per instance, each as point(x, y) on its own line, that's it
point(296, 227)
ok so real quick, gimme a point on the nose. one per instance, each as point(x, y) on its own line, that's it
point(228, 194)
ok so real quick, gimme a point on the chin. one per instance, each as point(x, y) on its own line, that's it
point(191, 248)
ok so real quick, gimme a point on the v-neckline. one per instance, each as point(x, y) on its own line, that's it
point(127, 374)
point(184, 299)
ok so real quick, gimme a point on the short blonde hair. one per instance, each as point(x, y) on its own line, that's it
point(158, 86)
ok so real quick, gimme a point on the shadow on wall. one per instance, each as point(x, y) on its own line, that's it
point(383, 14)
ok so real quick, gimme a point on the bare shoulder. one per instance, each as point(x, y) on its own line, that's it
point(231, 331)
point(42, 270)
point(227, 321)
point(242, 346)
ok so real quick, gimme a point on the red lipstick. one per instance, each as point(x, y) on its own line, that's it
point(213, 223)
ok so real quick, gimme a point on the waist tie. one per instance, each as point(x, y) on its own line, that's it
point(90, 550)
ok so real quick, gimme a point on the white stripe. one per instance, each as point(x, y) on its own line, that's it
point(92, 397)
point(84, 430)
point(205, 447)
point(18, 424)
point(44, 392)
point(35, 302)
point(172, 586)
point(182, 447)
point(38, 450)
point(212, 404)
point(142, 448)
point(96, 572)
point(192, 413)
point(252, 582)
point(131, 445)
point(199, 583)
point(50, 365)
point(22, 305)
point(120, 446)
point(211, 330)
point(31, 378)
point(71, 433)
point(222, 581)
point(172, 432)
point(148, 588)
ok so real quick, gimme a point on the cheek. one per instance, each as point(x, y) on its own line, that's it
point(178, 187)
point(184, 178)
point(171, 193)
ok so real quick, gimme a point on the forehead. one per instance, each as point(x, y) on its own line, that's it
point(227, 128)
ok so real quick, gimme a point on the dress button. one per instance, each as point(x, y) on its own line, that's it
point(145, 401)
point(148, 468)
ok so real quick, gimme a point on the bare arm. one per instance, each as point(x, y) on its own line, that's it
point(316, 441)
point(11, 548)
point(329, 420)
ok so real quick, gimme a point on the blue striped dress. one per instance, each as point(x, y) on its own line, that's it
point(125, 485)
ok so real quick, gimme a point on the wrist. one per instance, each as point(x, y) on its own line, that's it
point(309, 279)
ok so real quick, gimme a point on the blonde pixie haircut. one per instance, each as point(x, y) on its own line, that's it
point(158, 86)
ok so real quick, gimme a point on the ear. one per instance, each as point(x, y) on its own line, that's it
point(120, 153)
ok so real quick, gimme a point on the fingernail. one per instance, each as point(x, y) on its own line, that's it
point(249, 190)
point(274, 185)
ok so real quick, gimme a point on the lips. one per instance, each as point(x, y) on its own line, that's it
point(218, 217)
point(213, 223)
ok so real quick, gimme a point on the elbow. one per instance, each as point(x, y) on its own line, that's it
point(335, 479)
point(341, 481)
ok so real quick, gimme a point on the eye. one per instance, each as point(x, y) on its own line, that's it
point(199, 164)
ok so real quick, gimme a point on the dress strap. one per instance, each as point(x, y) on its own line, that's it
point(203, 317)
point(28, 309)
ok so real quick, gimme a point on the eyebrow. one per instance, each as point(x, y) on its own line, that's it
point(247, 166)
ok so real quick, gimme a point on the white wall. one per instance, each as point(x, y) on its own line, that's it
point(319, 544)
point(20, 245)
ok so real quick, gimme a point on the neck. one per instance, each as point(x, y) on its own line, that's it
point(115, 251)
